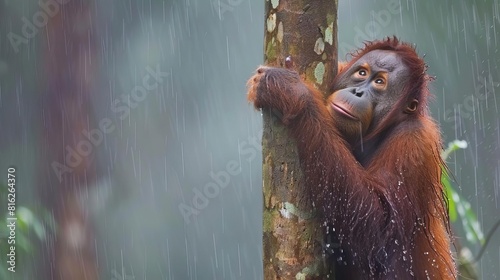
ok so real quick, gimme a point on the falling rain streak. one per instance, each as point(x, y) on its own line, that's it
point(72, 69)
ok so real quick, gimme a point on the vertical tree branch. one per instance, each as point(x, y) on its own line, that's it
point(305, 31)
point(70, 63)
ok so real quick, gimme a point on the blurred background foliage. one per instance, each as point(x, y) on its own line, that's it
point(198, 120)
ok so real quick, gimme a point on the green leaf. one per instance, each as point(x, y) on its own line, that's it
point(3, 271)
point(474, 227)
point(453, 146)
point(23, 242)
point(457, 206)
point(450, 192)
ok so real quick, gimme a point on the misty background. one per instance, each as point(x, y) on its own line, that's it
point(195, 122)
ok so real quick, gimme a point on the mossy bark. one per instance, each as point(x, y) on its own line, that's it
point(305, 31)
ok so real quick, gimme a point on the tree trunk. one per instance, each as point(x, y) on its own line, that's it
point(305, 32)
point(70, 63)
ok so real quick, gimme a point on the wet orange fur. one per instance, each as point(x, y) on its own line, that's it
point(389, 213)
